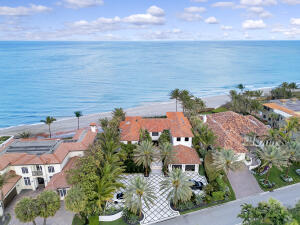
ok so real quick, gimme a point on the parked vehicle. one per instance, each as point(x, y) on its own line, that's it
point(197, 185)
point(118, 197)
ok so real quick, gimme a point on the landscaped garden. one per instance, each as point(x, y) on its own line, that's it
point(3, 139)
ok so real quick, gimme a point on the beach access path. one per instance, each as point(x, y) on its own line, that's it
point(226, 214)
point(70, 124)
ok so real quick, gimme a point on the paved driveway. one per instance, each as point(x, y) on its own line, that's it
point(226, 214)
point(243, 182)
point(62, 217)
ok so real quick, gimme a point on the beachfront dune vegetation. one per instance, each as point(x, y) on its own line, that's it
point(285, 90)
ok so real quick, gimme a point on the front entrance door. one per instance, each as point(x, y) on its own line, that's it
point(41, 182)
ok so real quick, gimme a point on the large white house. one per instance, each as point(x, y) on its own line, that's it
point(180, 131)
point(32, 163)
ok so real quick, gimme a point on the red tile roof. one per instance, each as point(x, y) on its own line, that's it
point(281, 108)
point(229, 127)
point(59, 180)
point(82, 137)
point(176, 122)
point(10, 184)
point(185, 155)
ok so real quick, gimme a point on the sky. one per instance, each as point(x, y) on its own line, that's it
point(147, 20)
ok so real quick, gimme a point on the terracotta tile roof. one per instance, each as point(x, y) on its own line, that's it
point(59, 180)
point(176, 122)
point(229, 127)
point(10, 184)
point(185, 155)
point(281, 108)
point(83, 139)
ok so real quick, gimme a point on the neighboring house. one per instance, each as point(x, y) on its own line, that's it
point(276, 112)
point(180, 129)
point(36, 161)
point(232, 129)
point(178, 125)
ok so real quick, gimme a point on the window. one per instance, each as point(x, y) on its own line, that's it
point(62, 192)
point(38, 168)
point(186, 139)
point(27, 181)
point(264, 116)
point(24, 170)
point(190, 168)
point(51, 169)
point(178, 139)
point(176, 166)
point(154, 133)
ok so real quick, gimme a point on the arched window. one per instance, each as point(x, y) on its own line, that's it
point(24, 170)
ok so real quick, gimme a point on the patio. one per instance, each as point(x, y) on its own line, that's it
point(161, 210)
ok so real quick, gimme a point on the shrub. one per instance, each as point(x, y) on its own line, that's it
point(221, 183)
point(199, 199)
point(185, 205)
point(208, 198)
point(164, 137)
point(130, 217)
point(208, 189)
point(77, 220)
point(210, 170)
point(218, 195)
point(94, 220)
point(130, 166)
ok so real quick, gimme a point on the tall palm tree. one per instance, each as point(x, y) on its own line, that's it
point(178, 187)
point(274, 137)
point(293, 85)
point(184, 98)
point(48, 121)
point(241, 87)
point(293, 151)
point(175, 94)
point(204, 135)
point(144, 155)
point(119, 114)
point(272, 155)
point(285, 85)
point(292, 126)
point(139, 191)
point(252, 137)
point(225, 160)
point(166, 154)
point(78, 114)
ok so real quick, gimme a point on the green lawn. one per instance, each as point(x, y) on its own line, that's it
point(116, 222)
point(275, 177)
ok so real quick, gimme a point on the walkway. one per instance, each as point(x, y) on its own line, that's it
point(226, 214)
point(243, 182)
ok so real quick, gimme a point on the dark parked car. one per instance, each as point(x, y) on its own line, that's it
point(196, 185)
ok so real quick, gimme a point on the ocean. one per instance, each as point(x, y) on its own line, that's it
point(57, 78)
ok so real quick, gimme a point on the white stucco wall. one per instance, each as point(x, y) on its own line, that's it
point(155, 138)
point(182, 141)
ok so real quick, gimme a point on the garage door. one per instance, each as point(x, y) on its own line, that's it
point(10, 197)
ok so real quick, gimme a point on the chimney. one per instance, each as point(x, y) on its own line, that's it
point(93, 127)
point(204, 118)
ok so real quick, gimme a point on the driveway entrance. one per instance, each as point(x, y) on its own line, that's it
point(243, 182)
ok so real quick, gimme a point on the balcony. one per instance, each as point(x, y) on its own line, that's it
point(37, 173)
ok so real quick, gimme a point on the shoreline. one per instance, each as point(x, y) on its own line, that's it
point(69, 124)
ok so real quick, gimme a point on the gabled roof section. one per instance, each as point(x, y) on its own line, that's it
point(230, 128)
point(185, 155)
point(176, 122)
point(10, 183)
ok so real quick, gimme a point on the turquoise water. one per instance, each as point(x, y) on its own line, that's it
point(57, 78)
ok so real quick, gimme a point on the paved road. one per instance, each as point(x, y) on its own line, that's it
point(243, 183)
point(226, 214)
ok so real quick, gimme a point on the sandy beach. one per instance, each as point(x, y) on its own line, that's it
point(70, 124)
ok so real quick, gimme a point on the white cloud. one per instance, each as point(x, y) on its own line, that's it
point(190, 17)
point(258, 2)
point(23, 11)
point(77, 4)
point(174, 34)
point(154, 16)
point(254, 24)
point(295, 21)
point(226, 27)
point(223, 4)
point(198, 0)
point(246, 35)
point(195, 9)
point(156, 11)
point(291, 2)
point(211, 20)
point(259, 11)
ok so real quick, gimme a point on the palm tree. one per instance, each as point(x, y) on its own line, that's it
point(139, 191)
point(293, 151)
point(184, 97)
point(272, 155)
point(274, 117)
point(175, 94)
point(178, 187)
point(292, 85)
point(274, 137)
point(48, 121)
point(292, 126)
point(285, 85)
point(144, 154)
point(203, 135)
point(225, 160)
point(166, 154)
point(78, 114)
point(252, 137)
point(119, 114)
point(241, 87)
